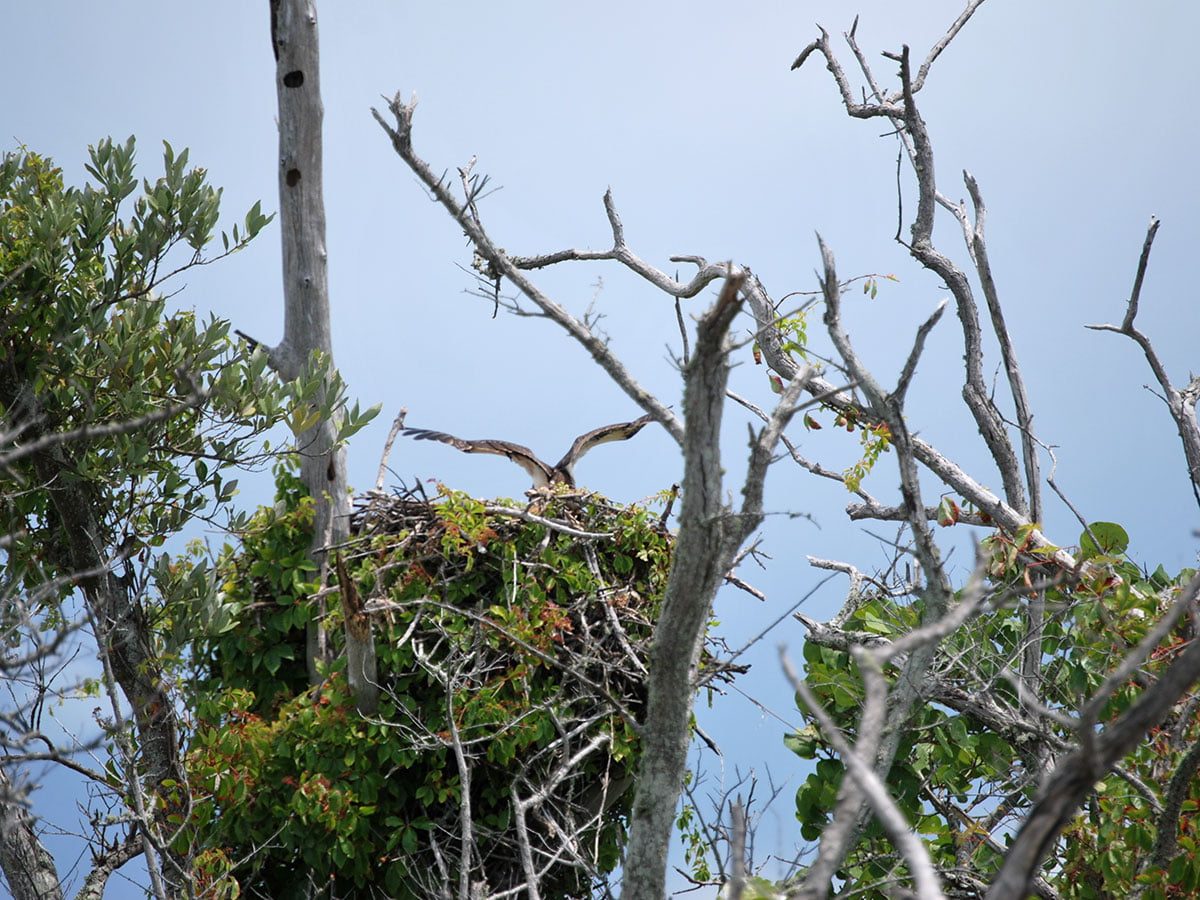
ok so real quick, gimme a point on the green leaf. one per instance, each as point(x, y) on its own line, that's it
point(803, 743)
point(1103, 539)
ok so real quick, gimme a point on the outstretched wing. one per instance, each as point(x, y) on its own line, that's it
point(522, 456)
point(621, 431)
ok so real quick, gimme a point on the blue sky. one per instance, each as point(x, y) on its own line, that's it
point(1071, 115)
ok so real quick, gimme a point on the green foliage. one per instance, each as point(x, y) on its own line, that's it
point(794, 331)
point(265, 587)
point(793, 327)
point(318, 393)
point(871, 284)
point(954, 770)
point(124, 420)
point(145, 410)
point(1103, 541)
point(487, 618)
point(876, 440)
point(696, 847)
point(875, 437)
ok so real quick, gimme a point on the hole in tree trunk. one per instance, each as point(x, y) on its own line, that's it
point(293, 177)
point(293, 79)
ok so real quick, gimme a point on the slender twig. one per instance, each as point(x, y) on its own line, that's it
point(944, 42)
point(683, 335)
point(553, 524)
point(397, 425)
point(914, 355)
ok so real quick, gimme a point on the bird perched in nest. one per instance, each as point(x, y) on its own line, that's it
point(562, 472)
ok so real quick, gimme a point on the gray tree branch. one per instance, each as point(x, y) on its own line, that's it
point(852, 809)
point(401, 137)
point(1180, 401)
point(860, 766)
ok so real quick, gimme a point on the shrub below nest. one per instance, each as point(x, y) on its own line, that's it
point(511, 653)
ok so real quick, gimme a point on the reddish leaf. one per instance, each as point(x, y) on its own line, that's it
point(948, 512)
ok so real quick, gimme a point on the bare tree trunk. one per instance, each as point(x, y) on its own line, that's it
point(306, 325)
point(27, 864)
point(710, 533)
point(696, 573)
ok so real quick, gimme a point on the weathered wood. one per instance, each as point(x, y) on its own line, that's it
point(306, 327)
point(26, 862)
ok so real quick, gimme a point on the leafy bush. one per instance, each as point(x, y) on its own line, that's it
point(507, 650)
point(968, 767)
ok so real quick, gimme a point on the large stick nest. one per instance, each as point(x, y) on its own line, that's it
point(513, 649)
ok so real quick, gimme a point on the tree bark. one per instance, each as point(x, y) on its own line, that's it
point(27, 864)
point(306, 311)
point(710, 534)
point(696, 573)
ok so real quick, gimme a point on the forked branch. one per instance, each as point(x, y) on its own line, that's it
point(401, 137)
point(1180, 401)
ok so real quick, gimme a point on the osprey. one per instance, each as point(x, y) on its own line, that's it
point(562, 472)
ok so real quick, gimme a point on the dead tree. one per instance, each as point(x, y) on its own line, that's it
point(307, 335)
